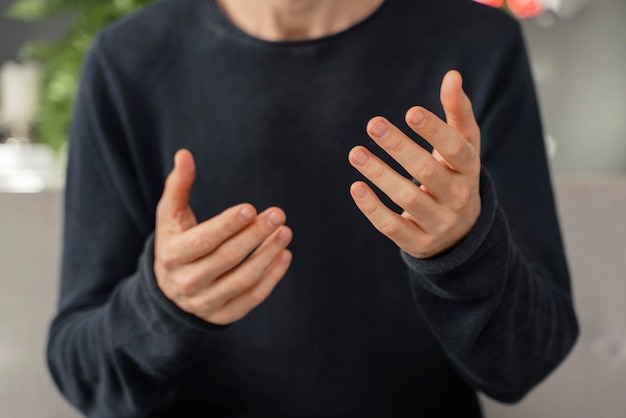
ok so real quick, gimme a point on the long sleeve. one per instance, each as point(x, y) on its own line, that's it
point(117, 345)
point(500, 303)
point(271, 124)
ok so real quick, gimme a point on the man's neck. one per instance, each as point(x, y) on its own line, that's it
point(289, 20)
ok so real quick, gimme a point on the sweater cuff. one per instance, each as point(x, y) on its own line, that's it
point(471, 245)
point(162, 338)
point(182, 320)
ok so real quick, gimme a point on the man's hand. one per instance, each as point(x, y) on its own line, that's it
point(220, 269)
point(441, 212)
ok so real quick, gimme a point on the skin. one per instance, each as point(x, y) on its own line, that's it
point(290, 20)
point(439, 213)
point(222, 268)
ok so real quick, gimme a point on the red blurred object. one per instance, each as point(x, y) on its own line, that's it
point(492, 3)
point(525, 8)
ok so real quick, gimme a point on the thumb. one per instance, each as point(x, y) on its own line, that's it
point(174, 202)
point(458, 107)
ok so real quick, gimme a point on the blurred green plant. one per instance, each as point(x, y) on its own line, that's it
point(62, 59)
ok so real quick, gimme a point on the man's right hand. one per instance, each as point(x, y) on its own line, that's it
point(222, 268)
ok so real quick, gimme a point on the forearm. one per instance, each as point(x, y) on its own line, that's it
point(504, 322)
point(124, 357)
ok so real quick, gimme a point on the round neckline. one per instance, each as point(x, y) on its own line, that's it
point(235, 30)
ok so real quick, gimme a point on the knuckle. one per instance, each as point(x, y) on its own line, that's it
point(199, 240)
point(258, 296)
point(166, 259)
point(167, 263)
point(186, 285)
point(475, 169)
point(428, 242)
point(457, 148)
point(228, 257)
point(168, 185)
point(396, 145)
point(462, 196)
point(231, 225)
point(428, 172)
point(472, 133)
point(476, 134)
point(259, 234)
point(241, 283)
point(222, 317)
point(369, 209)
point(205, 304)
point(449, 220)
point(411, 198)
point(431, 129)
point(159, 208)
point(389, 228)
point(378, 171)
point(230, 219)
point(465, 196)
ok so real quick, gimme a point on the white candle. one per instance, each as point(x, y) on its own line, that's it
point(19, 92)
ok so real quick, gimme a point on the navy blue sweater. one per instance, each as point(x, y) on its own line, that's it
point(356, 328)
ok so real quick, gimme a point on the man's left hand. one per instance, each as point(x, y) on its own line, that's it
point(440, 212)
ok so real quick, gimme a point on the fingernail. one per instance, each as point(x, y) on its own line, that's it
point(285, 257)
point(274, 220)
point(417, 118)
point(246, 215)
point(360, 157)
point(284, 237)
point(359, 192)
point(380, 129)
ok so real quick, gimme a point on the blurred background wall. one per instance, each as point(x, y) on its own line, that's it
point(580, 71)
point(14, 33)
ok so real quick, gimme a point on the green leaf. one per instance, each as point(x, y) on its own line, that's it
point(63, 58)
point(28, 10)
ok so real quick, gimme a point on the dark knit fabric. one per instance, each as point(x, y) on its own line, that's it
point(355, 328)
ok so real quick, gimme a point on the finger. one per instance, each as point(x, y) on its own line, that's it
point(458, 108)
point(248, 274)
point(235, 249)
point(399, 229)
point(175, 199)
point(241, 305)
point(204, 238)
point(398, 188)
point(458, 153)
point(417, 161)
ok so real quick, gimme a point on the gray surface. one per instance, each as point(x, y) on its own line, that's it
point(29, 247)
